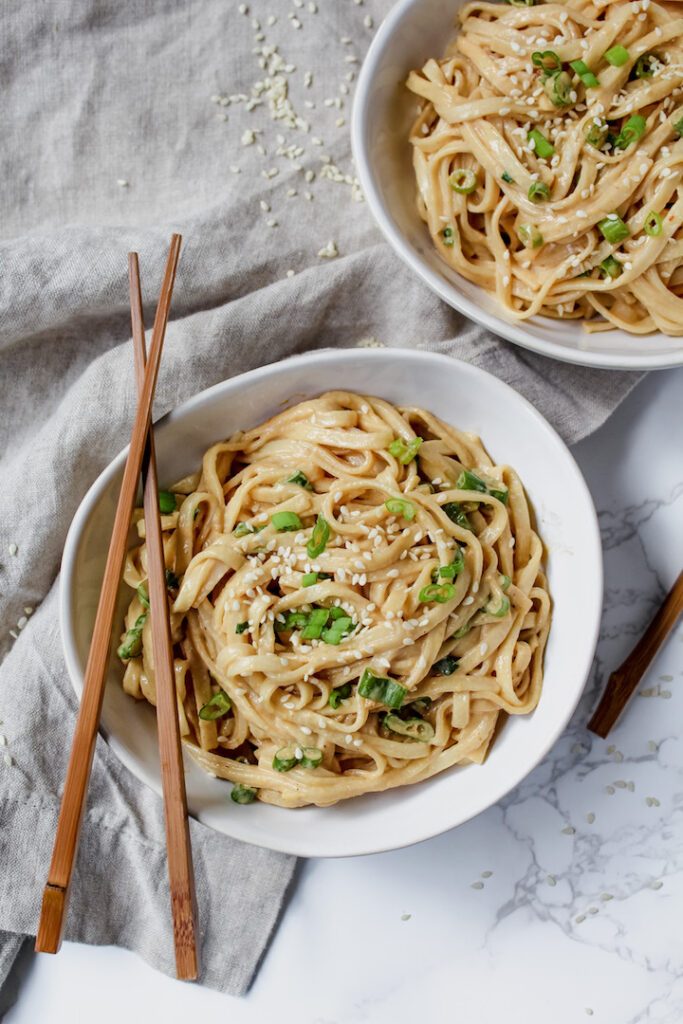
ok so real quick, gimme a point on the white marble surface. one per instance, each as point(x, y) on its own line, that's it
point(561, 903)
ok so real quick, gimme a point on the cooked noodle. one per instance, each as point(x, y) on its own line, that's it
point(441, 595)
point(530, 231)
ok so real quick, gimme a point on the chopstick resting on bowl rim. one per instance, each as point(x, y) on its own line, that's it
point(179, 850)
point(623, 681)
point(57, 889)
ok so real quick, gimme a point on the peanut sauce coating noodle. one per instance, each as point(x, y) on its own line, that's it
point(548, 157)
point(357, 593)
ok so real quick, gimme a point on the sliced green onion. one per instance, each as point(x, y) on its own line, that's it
point(463, 181)
point(652, 227)
point(241, 627)
point(143, 596)
point(338, 695)
point(167, 503)
point(413, 728)
point(400, 507)
point(613, 229)
point(596, 134)
point(617, 56)
point(584, 73)
point(501, 495)
point(243, 794)
point(631, 132)
point(678, 127)
point(529, 236)
point(505, 581)
point(300, 478)
point(404, 451)
point(316, 623)
point(421, 705)
point(294, 620)
point(286, 757)
point(459, 633)
point(311, 757)
point(547, 60)
point(558, 89)
point(541, 146)
point(646, 65)
point(611, 267)
point(309, 578)
point(469, 481)
point(381, 689)
point(319, 537)
point(439, 592)
point(337, 631)
point(521, 3)
point(131, 645)
point(507, 179)
point(172, 581)
point(447, 236)
point(538, 192)
point(502, 609)
point(242, 529)
point(218, 706)
point(446, 666)
point(456, 514)
point(449, 572)
point(286, 522)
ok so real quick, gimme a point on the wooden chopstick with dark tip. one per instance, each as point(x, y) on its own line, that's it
point(57, 890)
point(179, 850)
point(624, 680)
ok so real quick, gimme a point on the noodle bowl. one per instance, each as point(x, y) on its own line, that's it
point(548, 156)
point(356, 594)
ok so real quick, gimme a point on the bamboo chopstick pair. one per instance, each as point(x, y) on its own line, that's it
point(141, 458)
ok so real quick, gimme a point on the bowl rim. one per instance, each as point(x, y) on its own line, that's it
point(509, 330)
point(430, 828)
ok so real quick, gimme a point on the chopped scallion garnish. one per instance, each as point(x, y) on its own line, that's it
point(172, 581)
point(243, 794)
point(310, 757)
point(317, 620)
point(300, 478)
point(218, 706)
point(449, 572)
point(505, 581)
point(319, 537)
point(646, 65)
point(309, 578)
point(401, 507)
point(596, 134)
point(286, 522)
point(547, 60)
point(143, 596)
point(457, 514)
point(167, 503)
point(286, 757)
point(131, 645)
point(507, 179)
point(469, 481)
point(459, 633)
point(617, 56)
point(439, 592)
point(413, 728)
point(613, 229)
point(678, 127)
point(502, 609)
point(530, 236)
point(241, 627)
point(381, 689)
point(339, 694)
point(611, 267)
point(447, 236)
point(631, 132)
point(652, 226)
point(558, 89)
point(541, 146)
point(242, 529)
point(446, 666)
point(463, 180)
point(584, 73)
point(538, 192)
point(404, 451)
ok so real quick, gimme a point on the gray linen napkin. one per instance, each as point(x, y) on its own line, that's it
point(121, 123)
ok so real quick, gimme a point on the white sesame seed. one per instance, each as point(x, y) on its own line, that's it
point(8, 760)
point(13, 549)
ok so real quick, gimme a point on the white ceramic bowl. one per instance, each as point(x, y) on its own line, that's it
point(413, 31)
point(513, 432)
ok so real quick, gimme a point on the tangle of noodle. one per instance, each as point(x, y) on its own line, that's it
point(377, 564)
point(480, 103)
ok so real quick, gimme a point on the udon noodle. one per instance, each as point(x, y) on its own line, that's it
point(356, 594)
point(548, 159)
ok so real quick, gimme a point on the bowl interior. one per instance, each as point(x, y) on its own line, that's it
point(384, 110)
point(513, 432)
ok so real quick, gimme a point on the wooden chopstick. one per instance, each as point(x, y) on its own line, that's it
point(179, 850)
point(57, 890)
point(624, 680)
